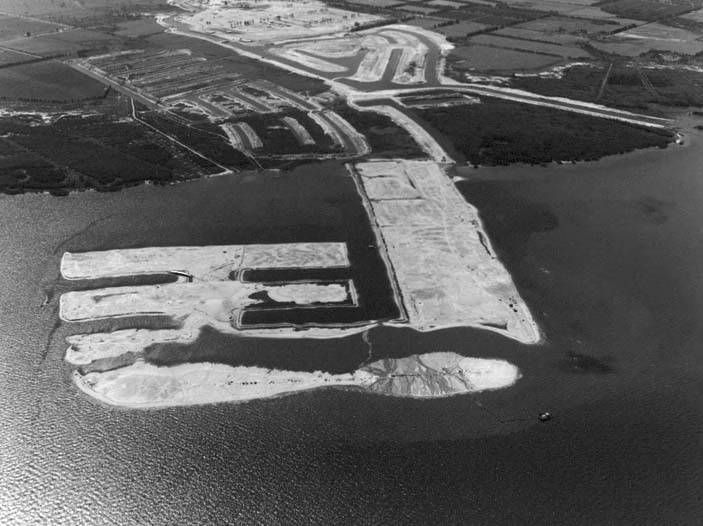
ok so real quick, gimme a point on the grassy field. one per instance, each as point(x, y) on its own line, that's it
point(47, 81)
point(485, 58)
point(497, 14)
point(13, 27)
point(516, 32)
point(80, 13)
point(649, 10)
point(231, 62)
point(462, 29)
point(574, 26)
point(530, 46)
point(137, 28)
point(43, 46)
point(625, 88)
point(10, 57)
point(500, 132)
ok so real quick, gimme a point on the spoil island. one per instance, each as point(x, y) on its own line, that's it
point(142, 385)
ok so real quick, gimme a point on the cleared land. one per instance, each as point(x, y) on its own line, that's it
point(485, 58)
point(456, 279)
point(301, 133)
point(142, 385)
point(436, 100)
point(221, 301)
point(215, 262)
point(273, 21)
point(397, 54)
point(207, 106)
point(211, 291)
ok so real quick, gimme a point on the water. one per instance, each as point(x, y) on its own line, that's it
point(606, 254)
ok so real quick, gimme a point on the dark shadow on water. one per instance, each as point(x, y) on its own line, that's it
point(654, 210)
point(582, 363)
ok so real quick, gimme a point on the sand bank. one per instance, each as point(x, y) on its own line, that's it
point(143, 385)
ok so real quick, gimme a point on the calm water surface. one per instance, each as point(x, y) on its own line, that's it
point(608, 255)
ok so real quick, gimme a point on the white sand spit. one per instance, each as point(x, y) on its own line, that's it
point(143, 385)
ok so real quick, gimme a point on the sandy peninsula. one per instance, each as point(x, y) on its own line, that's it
point(456, 279)
point(143, 385)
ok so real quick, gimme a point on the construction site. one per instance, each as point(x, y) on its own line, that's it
point(456, 279)
point(258, 22)
point(254, 116)
point(218, 286)
point(396, 55)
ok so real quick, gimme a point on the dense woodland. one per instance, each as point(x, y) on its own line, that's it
point(498, 133)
